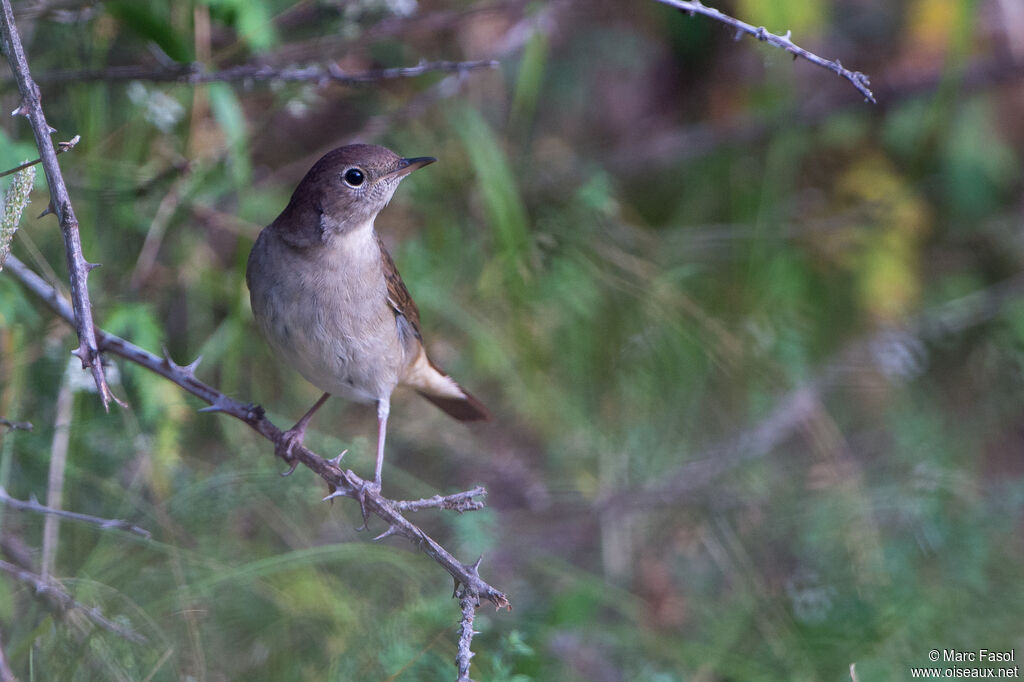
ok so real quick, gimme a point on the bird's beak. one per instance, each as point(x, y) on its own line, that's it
point(407, 166)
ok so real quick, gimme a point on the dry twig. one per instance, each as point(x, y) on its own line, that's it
point(468, 602)
point(56, 595)
point(15, 426)
point(858, 79)
point(6, 674)
point(459, 502)
point(60, 203)
point(61, 148)
point(321, 75)
point(795, 407)
point(33, 505)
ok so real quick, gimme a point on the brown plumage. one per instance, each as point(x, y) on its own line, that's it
point(466, 409)
point(328, 297)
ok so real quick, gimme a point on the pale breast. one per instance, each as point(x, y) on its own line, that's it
point(324, 311)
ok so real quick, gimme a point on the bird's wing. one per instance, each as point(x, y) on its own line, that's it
point(398, 296)
point(421, 374)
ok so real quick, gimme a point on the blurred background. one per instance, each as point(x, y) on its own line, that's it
point(754, 347)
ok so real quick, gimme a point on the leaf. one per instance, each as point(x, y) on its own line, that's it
point(231, 119)
point(139, 18)
point(250, 18)
point(505, 210)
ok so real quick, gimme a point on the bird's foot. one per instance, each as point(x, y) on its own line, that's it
point(366, 487)
point(289, 440)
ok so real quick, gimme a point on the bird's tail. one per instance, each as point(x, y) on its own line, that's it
point(433, 384)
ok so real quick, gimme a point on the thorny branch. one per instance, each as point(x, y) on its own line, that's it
point(459, 502)
point(858, 79)
point(468, 602)
point(343, 482)
point(195, 73)
point(34, 506)
point(50, 590)
point(60, 203)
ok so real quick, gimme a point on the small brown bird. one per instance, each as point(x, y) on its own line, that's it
point(328, 299)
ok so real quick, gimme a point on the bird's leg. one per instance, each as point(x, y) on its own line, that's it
point(383, 408)
point(295, 435)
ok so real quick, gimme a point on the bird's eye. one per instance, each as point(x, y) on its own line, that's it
point(354, 177)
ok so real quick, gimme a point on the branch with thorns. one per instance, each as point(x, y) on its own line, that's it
point(321, 75)
point(52, 591)
point(858, 79)
point(33, 505)
point(342, 482)
point(60, 203)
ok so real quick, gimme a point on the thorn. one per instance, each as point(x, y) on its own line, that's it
point(337, 460)
point(21, 110)
point(212, 408)
point(361, 496)
point(190, 368)
point(52, 129)
point(392, 529)
point(335, 493)
point(33, 499)
point(739, 35)
point(455, 591)
point(89, 267)
point(47, 211)
point(474, 568)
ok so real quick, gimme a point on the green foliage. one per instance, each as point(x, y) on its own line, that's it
point(150, 22)
point(251, 18)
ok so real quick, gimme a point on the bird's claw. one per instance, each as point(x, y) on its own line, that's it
point(361, 491)
point(283, 449)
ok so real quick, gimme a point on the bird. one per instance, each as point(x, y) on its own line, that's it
point(329, 301)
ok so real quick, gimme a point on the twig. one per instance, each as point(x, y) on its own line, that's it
point(342, 482)
point(321, 75)
point(33, 505)
point(61, 148)
point(858, 79)
point(65, 602)
point(6, 674)
point(459, 502)
point(15, 426)
point(796, 407)
point(60, 203)
point(468, 601)
point(58, 465)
